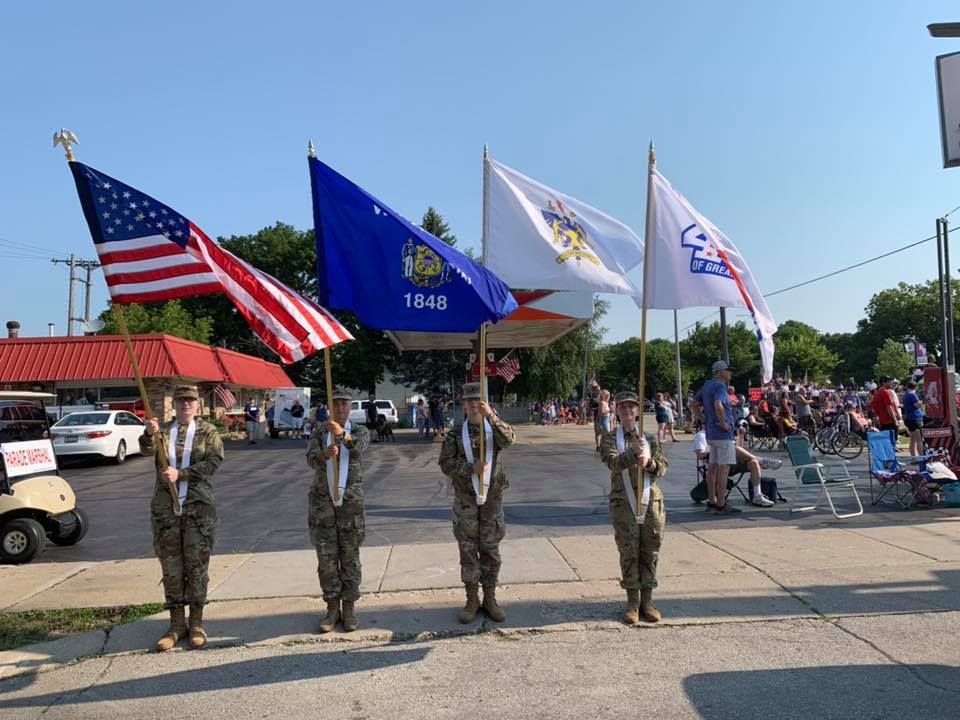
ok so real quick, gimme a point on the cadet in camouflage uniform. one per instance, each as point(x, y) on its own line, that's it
point(337, 532)
point(639, 545)
point(183, 543)
point(477, 528)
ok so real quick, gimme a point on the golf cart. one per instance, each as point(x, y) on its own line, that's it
point(35, 502)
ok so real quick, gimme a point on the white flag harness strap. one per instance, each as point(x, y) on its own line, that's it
point(344, 467)
point(488, 459)
point(631, 493)
point(182, 485)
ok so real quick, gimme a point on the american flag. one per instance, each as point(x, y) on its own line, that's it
point(149, 252)
point(224, 395)
point(509, 367)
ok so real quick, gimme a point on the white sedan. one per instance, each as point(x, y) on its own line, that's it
point(109, 433)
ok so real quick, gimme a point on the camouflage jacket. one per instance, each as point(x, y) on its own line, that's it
point(453, 459)
point(619, 462)
point(205, 457)
point(356, 442)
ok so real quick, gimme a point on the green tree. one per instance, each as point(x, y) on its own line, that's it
point(621, 367)
point(855, 357)
point(701, 348)
point(434, 223)
point(167, 317)
point(893, 361)
point(556, 371)
point(800, 347)
point(435, 372)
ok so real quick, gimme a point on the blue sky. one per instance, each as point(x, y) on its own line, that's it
point(808, 132)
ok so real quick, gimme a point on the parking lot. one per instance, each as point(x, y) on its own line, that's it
point(558, 486)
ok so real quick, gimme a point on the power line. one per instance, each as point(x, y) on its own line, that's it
point(830, 274)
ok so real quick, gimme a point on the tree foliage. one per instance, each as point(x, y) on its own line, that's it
point(170, 318)
point(434, 223)
point(701, 348)
point(800, 347)
point(893, 360)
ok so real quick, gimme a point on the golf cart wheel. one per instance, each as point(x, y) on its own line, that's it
point(20, 540)
point(121, 453)
point(78, 533)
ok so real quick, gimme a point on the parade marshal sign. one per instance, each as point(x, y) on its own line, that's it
point(29, 457)
point(948, 91)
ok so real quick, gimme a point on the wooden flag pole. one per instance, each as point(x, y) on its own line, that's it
point(161, 443)
point(327, 364)
point(647, 235)
point(67, 139)
point(328, 368)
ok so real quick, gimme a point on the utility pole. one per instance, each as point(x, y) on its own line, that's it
point(73, 263)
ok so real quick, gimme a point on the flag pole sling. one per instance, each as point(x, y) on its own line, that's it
point(647, 235)
point(483, 327)
point(147, 410)
point(328, 368)
point(483, 397)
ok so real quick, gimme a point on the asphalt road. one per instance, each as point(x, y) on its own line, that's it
point(557, 487)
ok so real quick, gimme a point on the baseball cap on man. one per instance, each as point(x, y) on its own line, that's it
point(720, 365)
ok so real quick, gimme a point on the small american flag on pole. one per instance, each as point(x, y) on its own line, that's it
point(149, 253)
point(509, 366)
point(224, 395)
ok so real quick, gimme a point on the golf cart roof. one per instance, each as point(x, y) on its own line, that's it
point(25, 395)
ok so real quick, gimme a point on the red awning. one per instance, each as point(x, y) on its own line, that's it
point(104, 357)
point(250, 371)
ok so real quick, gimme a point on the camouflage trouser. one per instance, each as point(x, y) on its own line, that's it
point(183, 545)
point(639, 545)
point(337, 534)
point(479, 530)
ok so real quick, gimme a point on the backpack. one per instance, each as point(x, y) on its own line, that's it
point(768, 486)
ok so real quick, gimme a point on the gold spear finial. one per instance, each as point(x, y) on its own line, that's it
point(653, 156)
point(68, 140)
point(311, 152)
point(485, 151)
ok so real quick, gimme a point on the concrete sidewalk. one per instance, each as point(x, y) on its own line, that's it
point(413, 591)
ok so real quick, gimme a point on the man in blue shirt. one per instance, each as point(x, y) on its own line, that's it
point(251, 416)
point(714, 398)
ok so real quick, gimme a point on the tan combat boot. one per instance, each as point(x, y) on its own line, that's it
point(349, 617)
point(494, 611)
point(647, 610)
point(632, 615)
point(198, 636)
point(469, 611)
point(178, 629)
point(333, 614)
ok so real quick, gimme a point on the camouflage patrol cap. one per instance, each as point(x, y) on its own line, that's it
point(627, 396)
point(471, 391)
point(340, 393)
point(186, 391)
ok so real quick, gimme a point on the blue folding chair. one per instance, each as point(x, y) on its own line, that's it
point(810, 473)
point(896, 485)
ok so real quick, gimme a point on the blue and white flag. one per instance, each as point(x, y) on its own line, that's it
point(693, 264)
point(391, 273)
point(543, 239)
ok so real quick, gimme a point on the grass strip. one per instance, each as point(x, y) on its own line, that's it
point(32, 626)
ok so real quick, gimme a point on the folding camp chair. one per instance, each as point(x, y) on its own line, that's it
point(896, 485)
point(732, 481)
point(809, 472)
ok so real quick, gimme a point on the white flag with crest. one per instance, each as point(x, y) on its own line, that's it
point(541, 239)
point(693, 264)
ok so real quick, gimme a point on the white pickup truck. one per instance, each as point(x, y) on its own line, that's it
point(385, 409)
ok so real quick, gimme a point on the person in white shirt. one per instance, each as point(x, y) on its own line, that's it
point(746, 462)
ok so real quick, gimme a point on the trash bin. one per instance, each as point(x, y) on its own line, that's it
point(951, 494)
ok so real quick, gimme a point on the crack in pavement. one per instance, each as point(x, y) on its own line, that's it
point(71, 693)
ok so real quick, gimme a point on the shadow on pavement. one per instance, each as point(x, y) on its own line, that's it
point(826, 693)
point(249, 673)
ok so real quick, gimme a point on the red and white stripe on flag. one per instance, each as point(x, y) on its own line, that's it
point(154, 268)
point(508, 368)
point(225, 396)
